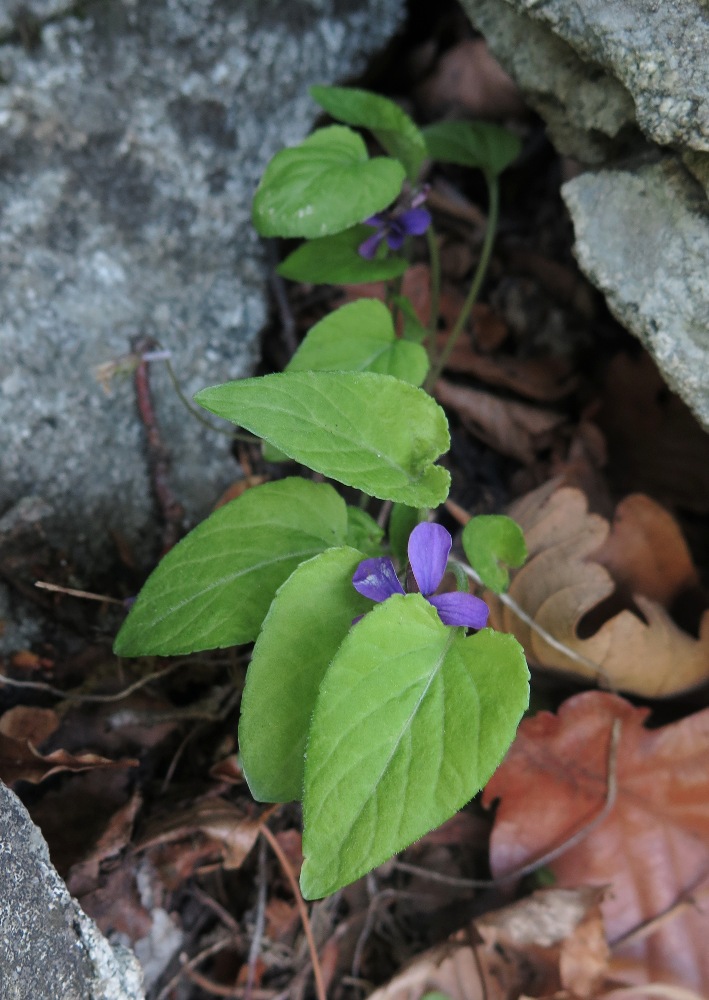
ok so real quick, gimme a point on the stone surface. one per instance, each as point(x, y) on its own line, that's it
point(49, 949)
point(642, 236)
point(131, 140)
point(627, 84)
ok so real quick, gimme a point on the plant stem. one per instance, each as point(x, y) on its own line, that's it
point(478, 277)
point(435, 263)
point(193, 411)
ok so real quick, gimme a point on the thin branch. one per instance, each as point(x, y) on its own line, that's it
point(542, 632)
point(260, 922)
point(213, 949)
point(70, 592)
point(98, 698)
point(685, 900)
point(664, 991)
point(302, 910)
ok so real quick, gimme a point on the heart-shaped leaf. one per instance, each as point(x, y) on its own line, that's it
point(347, 425)
point(490, 539)
point(310, 616)
point(324, 185)
point(214, 588)
point(360, 336)
point(486, 147)
point(391, 126)
point(335, 260)
point(411, 720)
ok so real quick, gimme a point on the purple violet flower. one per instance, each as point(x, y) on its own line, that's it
point(395, 225)
point(429, 546)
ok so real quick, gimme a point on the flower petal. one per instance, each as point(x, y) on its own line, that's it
point(396, 234)
point(376, 579)
point(460, 609)
point(429, 545)
point(369, 247)
point(415, 221)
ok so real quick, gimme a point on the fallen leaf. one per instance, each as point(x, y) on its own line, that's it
point(544, 381)
point(468, 78)
point(551, 941)
point(221, 822)
point(655, 444)
point(26, 722)
point(19, 761)
point(416, 286)
point(514, 429)
point(236, 489)
point(83, 876)
point(652, 846)
point(576, 574)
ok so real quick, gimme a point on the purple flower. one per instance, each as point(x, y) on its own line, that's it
point(394, 225)
point(429, 545)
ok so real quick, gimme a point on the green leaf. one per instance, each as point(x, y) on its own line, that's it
point(334, 260)
point(360, 336)
point(411, 720)
point(363, 532)
point(310, 616)
point(370, 431)
point(324, 185)
point(486, 147)
point(414, 330)
point(392, 127)
point(489, 539)
point(402, 522)
point(214, 588)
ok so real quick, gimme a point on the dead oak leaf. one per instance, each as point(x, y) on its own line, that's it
point(652, 846)
point(579, 566)
point(19, 761)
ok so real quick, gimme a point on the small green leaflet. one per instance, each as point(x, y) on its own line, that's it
point(414, 329)
point(334, 260)
point(360, 336)
point(310, 616)
point(370, 431)
point(490, 539)
point(392, 127)
point(324, 185)
point(411, 720)
point(486, 147)
point(214, 588)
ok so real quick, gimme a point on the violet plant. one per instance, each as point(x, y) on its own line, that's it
point(371, 704)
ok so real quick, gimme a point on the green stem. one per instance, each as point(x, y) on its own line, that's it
point(478, 278)
point(435, 262)
point(234, 435)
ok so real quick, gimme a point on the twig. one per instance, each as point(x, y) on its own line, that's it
point(555, 852)
point(99, 698)
point(542, 632)
point(217, 946)
point(70, 592)
point(685, 900)
point(302, 910)
point(223, 914)
point(259, 923)
point(158, 455)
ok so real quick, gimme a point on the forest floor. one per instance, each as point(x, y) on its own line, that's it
point(584, 866)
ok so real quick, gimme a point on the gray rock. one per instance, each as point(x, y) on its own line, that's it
point(131, 141)
point(49, 949)
point(642, 236)
point(618, 84)
point(587, 111)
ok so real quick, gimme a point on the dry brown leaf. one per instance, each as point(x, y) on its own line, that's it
point(552, 940)
point(83, 876)
point(514, 429)
point(19, 761)
point(26, 722)
point(563, 581)
point(545, 381)
point(469, 78)
point(655, 444)
point(652, 847)
point(221, 822)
